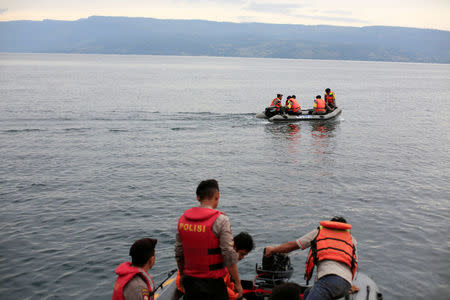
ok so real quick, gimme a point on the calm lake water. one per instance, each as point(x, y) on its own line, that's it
point(97, 151)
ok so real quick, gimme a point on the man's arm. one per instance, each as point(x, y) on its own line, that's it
point(222, 229)
point(301, 243)
point(283, 248)
point(237, 280)
point(179, 257)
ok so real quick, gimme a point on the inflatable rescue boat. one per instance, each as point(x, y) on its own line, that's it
point(273, 271)
point(305, 116)
point(368, 290)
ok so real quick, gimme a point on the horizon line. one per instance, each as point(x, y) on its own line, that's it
point(215, 21)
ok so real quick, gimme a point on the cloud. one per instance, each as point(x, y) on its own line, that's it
point(248, 19)
point(215, 1)
point(338, 12)
point(333, 18)
point(3, 10)
point(282, 8)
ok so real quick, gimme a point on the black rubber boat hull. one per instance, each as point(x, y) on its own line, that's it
point(368, 289)
point(305, 116)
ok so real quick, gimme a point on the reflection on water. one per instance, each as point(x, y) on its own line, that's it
point(323, 129)
point(322, 133)
point(293, 129)
point(309, 145)
point(287, 132)
point(283, 130)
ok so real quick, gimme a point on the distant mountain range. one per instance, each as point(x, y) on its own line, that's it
point(122, 35)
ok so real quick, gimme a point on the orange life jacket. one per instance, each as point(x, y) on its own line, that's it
point(330, 98)
point(125, 273)
point(333, 242)
point(232, 295)
point(293, 105)
point(319, 105)
point(276, 102)
point(202, 254)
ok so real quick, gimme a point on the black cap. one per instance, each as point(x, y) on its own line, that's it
point(142, 250)
point(318, 96)
point(279, 95)
point(339, 219)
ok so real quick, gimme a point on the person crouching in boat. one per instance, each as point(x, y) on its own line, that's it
point(275, 106)
point(292, 107)
point(333, 252)
point(330, 100)
point(319, 106)
point(133, 281)
point(243, 244)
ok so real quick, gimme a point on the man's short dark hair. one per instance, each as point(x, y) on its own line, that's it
point(338, 219)
point(142, 250)
point(244, 241)
point(286, 291)
point(207, 188)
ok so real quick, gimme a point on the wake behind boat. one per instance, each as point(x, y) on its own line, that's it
point(305, 116)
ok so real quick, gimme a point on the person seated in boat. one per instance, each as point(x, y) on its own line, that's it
point(133, 280)
point(276, 102)
point(243, 244)
point(292, 107)
point(333, 249)
point(330, 100)
point(275, 106)
point(319, 107)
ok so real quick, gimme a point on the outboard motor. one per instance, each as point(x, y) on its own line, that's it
point(274, 270)
point(271, 111)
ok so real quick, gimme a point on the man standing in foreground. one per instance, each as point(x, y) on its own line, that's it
point(243, 244)
point(333, 251)
point(204, 247)
point(133, 281)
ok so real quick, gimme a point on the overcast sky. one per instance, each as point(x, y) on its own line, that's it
point(433, 14)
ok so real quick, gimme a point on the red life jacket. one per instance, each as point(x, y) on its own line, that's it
point(320, 105)
point(276, 102)
point(202, 254)
point(333, 242)
point(294, 106)
point(330, 98)
point(126, 272)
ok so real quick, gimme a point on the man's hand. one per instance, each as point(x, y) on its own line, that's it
point(238, 288)
point(269, 251)
point(353, 289)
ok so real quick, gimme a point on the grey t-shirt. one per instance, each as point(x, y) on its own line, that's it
point(327, 267)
